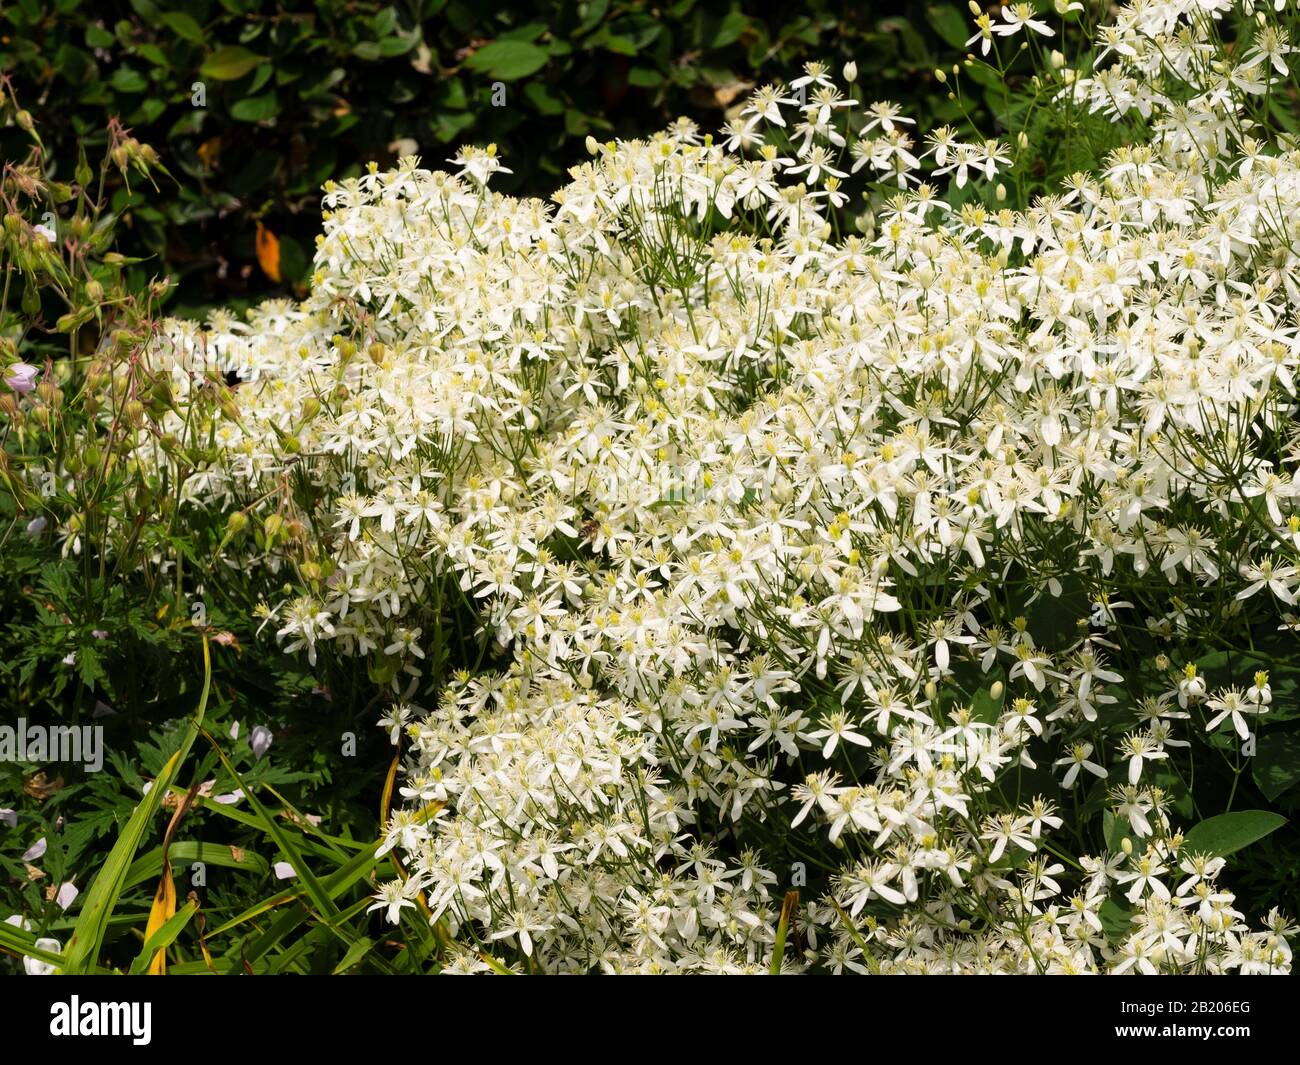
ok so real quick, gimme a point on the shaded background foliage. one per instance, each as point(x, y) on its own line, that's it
point(295, 92)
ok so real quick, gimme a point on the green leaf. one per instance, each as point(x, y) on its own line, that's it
point(1115, 920)
point(88, 935)
point(949, 23)
point(788, 907)
point(537, 94)
point(183, 851)
point(1222, 835)
point(356, 952)
point(229, 63)
point(163, 938)
point(982, 704)
point(1115, 829)
point(126, 80)
point(644, 77)
point(1276, 767)
point(508, 60)
point(256, 108)
point(315, 890)
point(22, 942)
point(183, 25)
point(730, 29)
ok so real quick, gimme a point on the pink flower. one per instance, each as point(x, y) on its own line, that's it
point(21, 377)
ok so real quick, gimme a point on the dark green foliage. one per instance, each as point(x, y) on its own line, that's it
point(295, 92)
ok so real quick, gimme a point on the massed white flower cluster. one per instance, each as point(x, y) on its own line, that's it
point(759, 518)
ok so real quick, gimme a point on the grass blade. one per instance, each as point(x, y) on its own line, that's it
point(88, 935)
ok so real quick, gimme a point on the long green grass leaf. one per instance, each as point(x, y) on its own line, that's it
point(88, 934)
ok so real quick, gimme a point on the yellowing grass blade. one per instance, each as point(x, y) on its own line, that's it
point(162, 911)
point(88, 934)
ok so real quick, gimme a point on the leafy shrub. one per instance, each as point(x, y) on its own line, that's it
point(295, 93)
point(932, 565)
point(939, 577)
point(107, 592)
